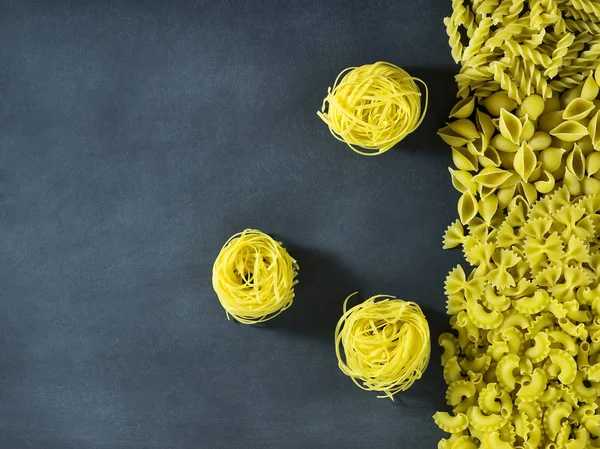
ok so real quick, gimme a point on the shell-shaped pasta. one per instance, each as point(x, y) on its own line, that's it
point(449, 423)
point(485, 124)
point(454, 235)
point(525, 161)
point(594, 130)
point(590, 186)
point(569, 131)
point(566, 364)
point(464, 128)
point(478, 146)
point(533, 106)
point(510, 126)
point(585, 143)
point(459, 390)
point(578, 109)
point(532, 388)
point(487, 207)
point(463, 160)
point(551, 158)
point(482, 422)
point(498, 101)
point(547, 122)
point(554, 416)
point(541, 348)
point(540, 141)
point(532, 304)
point(490, 157)
point(451, 138)
point(462, 181)
point(501, 143)
point(528, 129)
point(592, 163)
point(571, 182)
point(464, 108)
point(590, 89)
point(492, 177)
point(576, 162)
point(467, 207)
point(505, 371)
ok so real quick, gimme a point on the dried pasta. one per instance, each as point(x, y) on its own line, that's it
point(383, 344)
point(373, 107)
point(254, 277)
point(523, 366)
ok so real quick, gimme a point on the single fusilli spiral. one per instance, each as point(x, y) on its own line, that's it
point(582, 26)
point(505, 81)
point(590, 8)
point(561, 50)
point(454, 39)
point(514, 49)
point(479, 38)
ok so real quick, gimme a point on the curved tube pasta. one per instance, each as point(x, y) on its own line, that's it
point(583, 393)
point(532, 304)
point(449, 423)
point(580, 441)
point(561, 338)
point(566, 364)
point(449, 343)
point(505, 371)
point(554, 416)
point(541, 348)
point(484, 423)
point(532, 388)
point(481, 318)
point(452, 371)
point(458, 391)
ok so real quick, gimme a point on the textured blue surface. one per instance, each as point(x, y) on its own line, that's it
point(135, 138)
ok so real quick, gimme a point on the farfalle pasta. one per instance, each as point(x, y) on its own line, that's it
point(523, 363)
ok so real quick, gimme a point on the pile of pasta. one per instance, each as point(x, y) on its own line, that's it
point(504, 153)
point(524, 368)
point(523, 47)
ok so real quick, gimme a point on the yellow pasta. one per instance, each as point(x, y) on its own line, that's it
point(254, 277)
point(383, 344)
point(373, 107)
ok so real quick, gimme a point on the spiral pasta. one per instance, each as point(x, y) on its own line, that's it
point(254, 277)
point(383, 344)
point(373, 107)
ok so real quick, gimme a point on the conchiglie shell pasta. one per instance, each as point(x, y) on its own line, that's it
point(594, 130)
point(592, 163)
point(540, 141)
point(467, 207)
point(464, 108)
point(463, 160)
point(533, 106)
point(510, 126)
point(578, 109)
point(590, 89)
point(591, 186)
point(545, 184)
point(569, 131)
point(465, 128)
point(451, 138)
point(549, 121)
point(498, 101)
point(485, 124)
point(551, 158)
point(525, 162)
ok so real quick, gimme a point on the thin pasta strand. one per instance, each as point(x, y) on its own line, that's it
point(373, 107)
point(254, 277)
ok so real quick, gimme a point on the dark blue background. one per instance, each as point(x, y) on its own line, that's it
point(135, 138)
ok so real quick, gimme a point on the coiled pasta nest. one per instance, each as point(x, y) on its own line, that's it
point(383, 344)
point(254, 277)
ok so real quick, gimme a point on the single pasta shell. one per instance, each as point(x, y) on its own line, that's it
point(557, 143)
point(594, 130)
point(492, 177)
point(576, 163)
point(525, 162)
point(485, 124)
point(552, 104)
point(487, 207)
point(510, 126)
point(540, 141)
point(592, 163)
point(546, 183)
point(590, 89)
point(506, 159)
point(591, 186)
point(533, 106)
point(498, 101)
point(484, 191)
point(549, 121)
point(462, 181)
point(478, 146)
point(572, 183)
point(536, 173)
point(569, 95)
point(505, 195)
point(578, 109)
point(501, 143)
point(586, 144)
point(528, 129)
point(463, 160)
point(451, 138)
point(551, 158)
point(490, 158)
point(464, 108)
point(467, 207)
point(513, 179)
point(569, 131)
point(465, 128)
point(529, 192)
